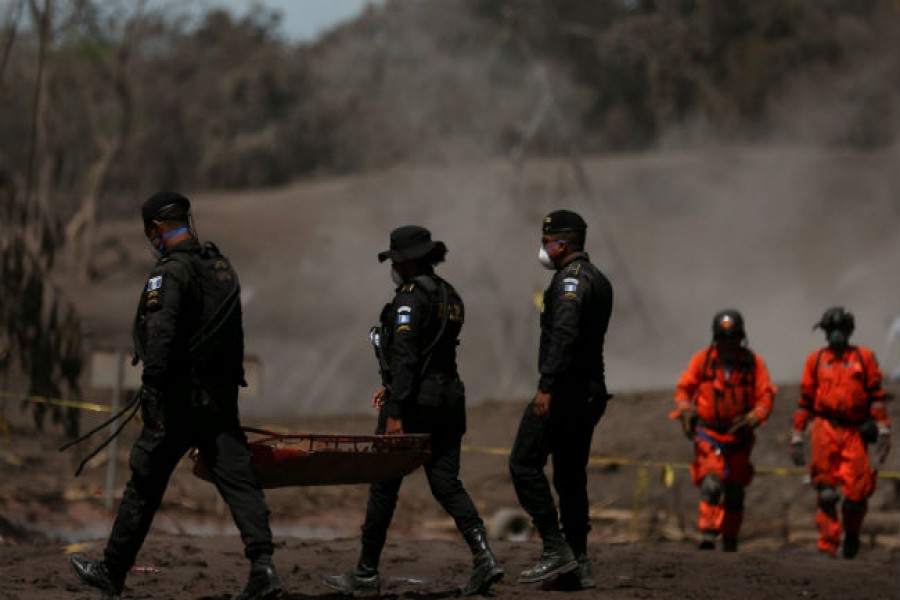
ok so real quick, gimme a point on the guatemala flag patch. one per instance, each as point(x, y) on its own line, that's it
point(570, 285)
point(154, 283)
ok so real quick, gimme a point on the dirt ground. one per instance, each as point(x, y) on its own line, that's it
point(643, 542)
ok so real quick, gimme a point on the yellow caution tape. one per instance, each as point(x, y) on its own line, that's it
point(640, 492)
point(91, 406)
point(671, 466)
point(668, 476)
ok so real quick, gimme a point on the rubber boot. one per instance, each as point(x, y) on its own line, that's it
point(263, 583)
point(361, 582)
point(485, 569)
point(851, 545)
point(97, 575)
point(708, 539)
point(556, 558)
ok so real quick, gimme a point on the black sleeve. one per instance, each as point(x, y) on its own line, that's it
point(567, 293)
point(410, 313)
point(163, 301)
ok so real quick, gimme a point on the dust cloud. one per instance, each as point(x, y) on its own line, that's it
point(779, 233)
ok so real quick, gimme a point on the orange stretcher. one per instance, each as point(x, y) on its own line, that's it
point(306, 459)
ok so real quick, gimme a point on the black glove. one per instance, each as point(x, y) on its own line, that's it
point(152, 408)
point(688, 423)
point(883, 445)
point(798, 455)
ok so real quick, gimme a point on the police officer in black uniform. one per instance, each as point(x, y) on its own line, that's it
point(188, 332)
point(570, 399)
point(421, 393)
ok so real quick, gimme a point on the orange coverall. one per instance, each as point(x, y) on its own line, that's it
point(839, 393)
point(718, 398)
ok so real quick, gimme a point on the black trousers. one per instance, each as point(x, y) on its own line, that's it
point(442, 471)
point(223, 446)
point(566, 436)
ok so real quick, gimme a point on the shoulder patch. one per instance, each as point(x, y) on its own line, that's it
point(570, 286)
point(153, 293)
point(404, 318)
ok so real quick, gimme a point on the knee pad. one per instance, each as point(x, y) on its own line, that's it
point(852, 506)
point(827, 498)
point(711, 489)
point(734, 497)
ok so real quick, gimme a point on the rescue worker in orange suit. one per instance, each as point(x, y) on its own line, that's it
point(722, 397)
point(841, 392)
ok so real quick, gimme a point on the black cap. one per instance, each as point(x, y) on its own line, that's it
point(836, 317)
point(161, 202)
point(563, 220)
point(411, 242)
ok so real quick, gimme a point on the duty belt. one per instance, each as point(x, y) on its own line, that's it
point(725, 449)
point(837, 420)
point(717, 427)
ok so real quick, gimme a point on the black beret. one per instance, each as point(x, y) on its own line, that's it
point(563, 220)
point(160, 201)
point(411, 242)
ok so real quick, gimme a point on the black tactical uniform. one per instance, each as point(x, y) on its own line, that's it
point(576, 310)
point(188, 332)
point(425, 391)
point(192, 290)
point(416, 347)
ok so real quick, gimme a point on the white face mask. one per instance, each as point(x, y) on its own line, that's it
point(395, 276)
point(544, 259)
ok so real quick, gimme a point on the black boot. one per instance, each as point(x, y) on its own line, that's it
point(485, 568)
point(582, 578)
point(97, 574)
point(556, 558)
point(851, 545)
point(708, 539)
point(361, 582)
point(263, 583)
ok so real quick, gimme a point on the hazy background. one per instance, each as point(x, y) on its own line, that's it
point(739, 154)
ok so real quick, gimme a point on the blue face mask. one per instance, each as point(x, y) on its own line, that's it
point(158, 244)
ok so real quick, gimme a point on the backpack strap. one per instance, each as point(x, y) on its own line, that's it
point(207, 330)
point(430, 284)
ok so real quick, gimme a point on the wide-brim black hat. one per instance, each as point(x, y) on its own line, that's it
point(411, 242)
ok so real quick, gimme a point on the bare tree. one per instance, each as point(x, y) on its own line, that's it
point(115, 74)
point(11, 20)
point(36, 198)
